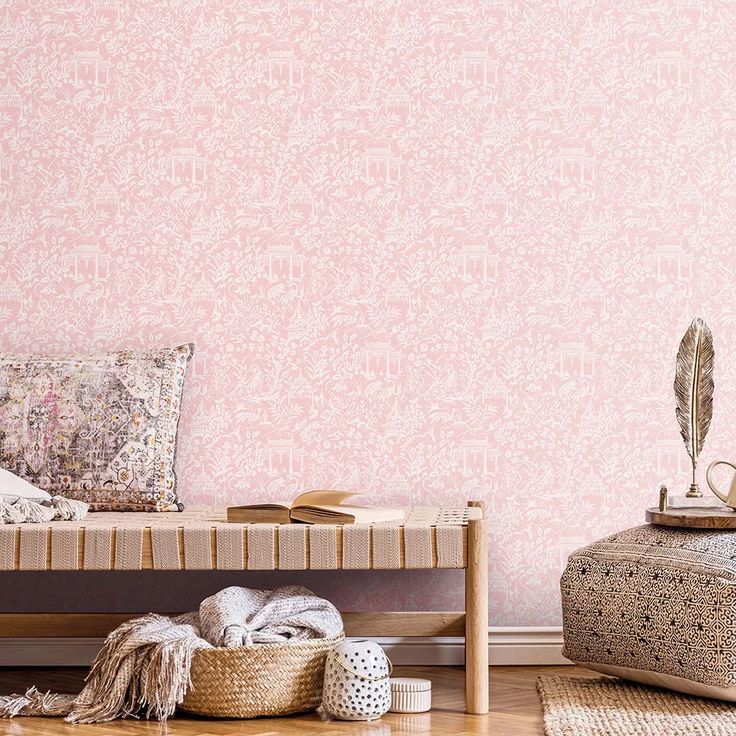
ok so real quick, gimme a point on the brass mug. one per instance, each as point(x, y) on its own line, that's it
point(730, 498)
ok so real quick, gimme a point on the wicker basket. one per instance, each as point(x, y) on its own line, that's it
point(258, 680)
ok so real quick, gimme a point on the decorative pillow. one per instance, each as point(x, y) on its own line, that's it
point(100, 429)
point(12, 488)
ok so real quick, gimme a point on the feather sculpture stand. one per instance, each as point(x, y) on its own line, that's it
point(694, 391)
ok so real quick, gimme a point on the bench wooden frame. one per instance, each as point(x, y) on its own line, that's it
point(472, 623)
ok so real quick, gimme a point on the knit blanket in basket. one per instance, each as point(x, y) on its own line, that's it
point(143, 666)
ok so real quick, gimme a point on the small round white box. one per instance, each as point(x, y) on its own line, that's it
point(410, 695)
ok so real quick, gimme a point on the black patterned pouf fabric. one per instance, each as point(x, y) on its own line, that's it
point(657, 605)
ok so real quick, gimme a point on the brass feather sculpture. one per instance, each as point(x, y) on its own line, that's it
point(694, 391)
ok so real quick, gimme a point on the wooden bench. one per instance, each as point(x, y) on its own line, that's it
point(429, 538)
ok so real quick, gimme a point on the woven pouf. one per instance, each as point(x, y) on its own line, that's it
point(258, 680)
point(656, 605)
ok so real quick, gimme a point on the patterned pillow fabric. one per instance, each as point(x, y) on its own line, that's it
point(100, 429)
point(656, 605)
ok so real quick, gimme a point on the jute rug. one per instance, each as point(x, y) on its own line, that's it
point(606, 706)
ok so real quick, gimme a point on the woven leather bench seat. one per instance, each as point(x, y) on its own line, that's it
point(656, 605)
point(201, 539)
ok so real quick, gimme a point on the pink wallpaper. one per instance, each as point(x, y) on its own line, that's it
point(431, 250)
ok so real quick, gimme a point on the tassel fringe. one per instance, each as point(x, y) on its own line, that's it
point(67, 509)
point(9, 514)
point(23, 510)
point(35, 703)
point(34, 512)
point(127, 679)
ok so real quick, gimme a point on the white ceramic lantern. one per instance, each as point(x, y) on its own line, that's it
point(356, 684)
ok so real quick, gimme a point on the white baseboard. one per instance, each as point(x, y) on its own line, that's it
point(537, 645)
point(516, 645)
point(508, 645)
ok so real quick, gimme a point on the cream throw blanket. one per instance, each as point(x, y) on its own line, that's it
point(25, 510)
point(21, 502)
point(143, 667)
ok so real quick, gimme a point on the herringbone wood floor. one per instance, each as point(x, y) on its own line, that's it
point(514, 710)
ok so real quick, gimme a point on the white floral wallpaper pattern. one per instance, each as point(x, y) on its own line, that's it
point(431, 250)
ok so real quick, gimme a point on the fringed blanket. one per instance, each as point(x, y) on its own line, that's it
point(143, 667)
point(23, 510)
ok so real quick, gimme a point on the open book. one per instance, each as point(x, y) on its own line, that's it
point(312, 507)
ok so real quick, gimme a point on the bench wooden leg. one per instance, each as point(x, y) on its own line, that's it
point(476, 618)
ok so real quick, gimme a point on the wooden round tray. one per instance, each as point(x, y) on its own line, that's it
point(703, 517)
